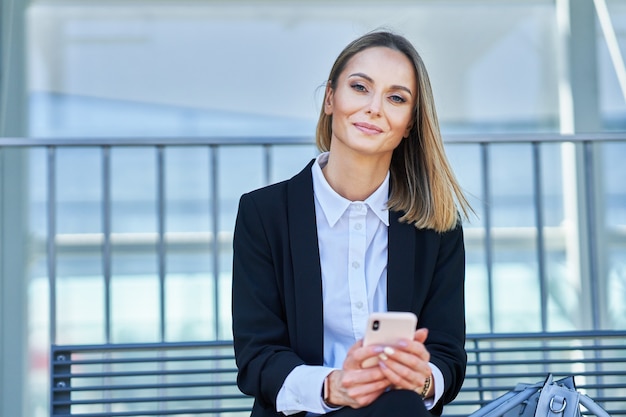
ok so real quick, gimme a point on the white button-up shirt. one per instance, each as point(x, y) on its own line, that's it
point(352, 240)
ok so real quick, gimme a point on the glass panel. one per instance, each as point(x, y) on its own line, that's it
point(466, 163)
point(111, 70)
point(79, 191)
point(288, 160)
point(517, 301)
point(613, 173)
point(189, 235)
point(80, 310)
point(611, 94)
point(563, 299)
point(135, 291)
point(80, 295)
point(241, 169)
point(38, 288)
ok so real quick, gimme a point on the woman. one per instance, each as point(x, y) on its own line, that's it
point(370, 225)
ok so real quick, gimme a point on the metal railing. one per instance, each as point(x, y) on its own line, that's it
point(218, 241)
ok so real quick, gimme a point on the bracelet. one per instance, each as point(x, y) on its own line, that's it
point(326, 393)
point(425, 388)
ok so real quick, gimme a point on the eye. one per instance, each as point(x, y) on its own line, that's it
point(358, 87)
point(397, 99)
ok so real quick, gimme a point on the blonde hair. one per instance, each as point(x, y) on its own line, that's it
point(423, 186)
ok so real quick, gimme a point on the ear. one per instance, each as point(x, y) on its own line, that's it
point(328, 100)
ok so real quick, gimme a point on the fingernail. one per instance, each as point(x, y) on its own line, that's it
point(403, 343)
point(389, 350)
point(378, 349)
point(383, 357)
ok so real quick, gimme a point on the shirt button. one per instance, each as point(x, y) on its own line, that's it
point(359, 305)
point(358, 226)
point(358, 207)
point(355, 265)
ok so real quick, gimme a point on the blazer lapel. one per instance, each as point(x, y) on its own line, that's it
point(400, 264)
point(307, 272)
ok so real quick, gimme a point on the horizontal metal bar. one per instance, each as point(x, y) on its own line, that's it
point(534, 138)
point(126, 374)
point(143, 346)
point(532, 361)
point(157, 141)
point(548, 336)
point(545, 349)
point(540, 375)
point(155, 360)
point(154, 399)
point(299, 140)
point(178, 385)
point(187, 411)
point(480, 337)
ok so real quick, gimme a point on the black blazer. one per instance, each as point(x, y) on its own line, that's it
point(277, 290)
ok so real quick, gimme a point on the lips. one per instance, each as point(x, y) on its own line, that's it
point(368, 128)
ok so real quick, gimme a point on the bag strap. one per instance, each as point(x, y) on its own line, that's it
point(506, 402)
point(593, 407)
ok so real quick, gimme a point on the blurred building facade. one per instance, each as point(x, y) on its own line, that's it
point(102, 244)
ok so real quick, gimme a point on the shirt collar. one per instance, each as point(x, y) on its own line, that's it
point(333, 205)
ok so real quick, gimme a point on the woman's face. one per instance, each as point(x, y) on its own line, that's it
point(373, 102)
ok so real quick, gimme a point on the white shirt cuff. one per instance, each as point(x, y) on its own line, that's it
point(302, 391)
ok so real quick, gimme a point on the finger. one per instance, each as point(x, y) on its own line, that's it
point(355, 378)
point(355, 356)
point(408, 369)
point(363, 357)
point(413, 349)
point(408, 358)
point(359, 388)
point(421, 335)
point(402, 376)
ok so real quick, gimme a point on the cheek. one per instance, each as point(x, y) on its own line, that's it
point(402, 121)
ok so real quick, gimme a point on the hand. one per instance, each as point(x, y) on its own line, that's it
point(354, 386)
point(406, 366)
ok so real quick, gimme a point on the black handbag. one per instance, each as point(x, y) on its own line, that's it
point(543, 399)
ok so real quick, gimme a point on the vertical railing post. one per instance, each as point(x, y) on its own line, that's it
point(106, 241)
point(214, 181)
point(539, 224)
point(161, 250)
point(51, 241)
point(484, 147)
point(267, 160)
point(51, 266)
point(592, 233)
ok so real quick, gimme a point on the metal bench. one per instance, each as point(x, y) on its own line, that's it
point(190, 379)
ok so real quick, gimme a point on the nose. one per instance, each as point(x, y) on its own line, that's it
point(375, 105)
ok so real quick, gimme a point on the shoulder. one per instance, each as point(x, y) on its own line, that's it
point(278, 193)
point(424, 238)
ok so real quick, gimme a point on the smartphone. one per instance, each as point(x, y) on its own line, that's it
point(387, 328)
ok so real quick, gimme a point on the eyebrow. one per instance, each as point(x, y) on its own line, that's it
point(368, 78)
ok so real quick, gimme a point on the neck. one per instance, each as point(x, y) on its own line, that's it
point(357, 177)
